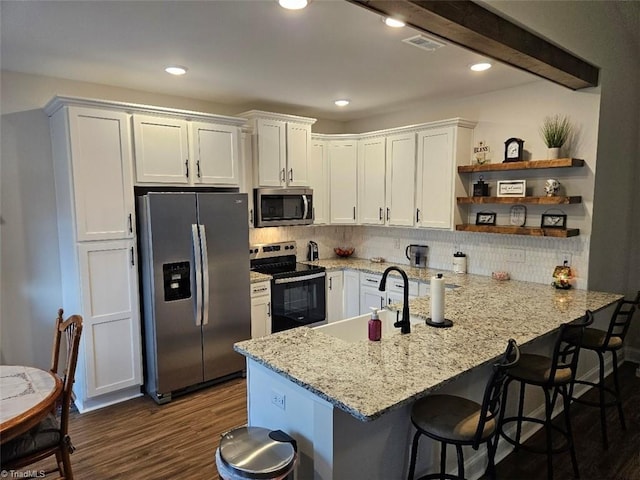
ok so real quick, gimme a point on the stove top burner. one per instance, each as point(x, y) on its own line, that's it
point(279, 260)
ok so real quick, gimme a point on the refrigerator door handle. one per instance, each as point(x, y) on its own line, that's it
point(197, 263)
point(205, 276)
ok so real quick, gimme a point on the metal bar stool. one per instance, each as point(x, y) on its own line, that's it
point(602, 342)
point(458, 421)
point(555, 376)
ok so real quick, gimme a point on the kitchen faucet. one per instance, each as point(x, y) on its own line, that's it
point(404, 325)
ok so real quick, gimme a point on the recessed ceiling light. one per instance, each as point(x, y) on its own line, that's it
point(342, 103)
point(293, 4)
point(175, 70)
point(480, 67)
point(393, 22)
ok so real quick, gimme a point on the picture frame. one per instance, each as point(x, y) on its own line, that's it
point(512, 188)
point(553, 220)
point(485, 218)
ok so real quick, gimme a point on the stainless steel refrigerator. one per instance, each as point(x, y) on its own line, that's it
point(195, 286)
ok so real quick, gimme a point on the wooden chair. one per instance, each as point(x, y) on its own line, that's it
point(601, 342)
point(458, 421)
point(50, 437)
point(555, 375)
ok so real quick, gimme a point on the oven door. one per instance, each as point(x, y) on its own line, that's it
point(298, 301)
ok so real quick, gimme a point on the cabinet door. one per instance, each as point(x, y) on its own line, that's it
point(371, 181)
point(401, 177)
point(371, 297)
point(298, 143)
point(335, 310)
point(318, 181)
point(161, 149)
point(271, 152)
point(435, 198)
point(215, 154)
point(100, 145)
point(343, 181)
point(260, 316)
point(351, 294)
point(111, 333)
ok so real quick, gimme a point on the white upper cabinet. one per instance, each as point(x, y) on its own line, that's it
point(161, 146)
point(319, 180)
point(215, 152)
point(282, 149)
point(343, 179)
point(371, 181)
point(400, 179)
point(180, 152)
point(93, 172)
point(440, 151)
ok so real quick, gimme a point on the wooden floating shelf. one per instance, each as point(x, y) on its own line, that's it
point(530, 231)
point(528, 200)
point(528, 165)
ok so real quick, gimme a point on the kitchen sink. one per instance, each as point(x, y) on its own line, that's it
point(355, 329)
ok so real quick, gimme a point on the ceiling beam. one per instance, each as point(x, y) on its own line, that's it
point(472, 26)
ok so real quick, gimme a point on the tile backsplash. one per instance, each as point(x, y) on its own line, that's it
point(525, 258)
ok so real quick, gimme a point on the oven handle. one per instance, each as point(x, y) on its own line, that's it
point(299, 279)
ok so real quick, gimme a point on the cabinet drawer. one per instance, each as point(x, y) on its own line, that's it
point(260, 289)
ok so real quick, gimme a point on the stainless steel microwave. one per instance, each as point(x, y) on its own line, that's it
point(276, 207)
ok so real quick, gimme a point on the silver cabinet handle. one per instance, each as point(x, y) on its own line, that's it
point(186, 166)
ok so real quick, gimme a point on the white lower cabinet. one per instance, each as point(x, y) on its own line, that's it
point(110, 359)
point(335, 296)
point(370, 296)
point(260, 309)
point(351, 286)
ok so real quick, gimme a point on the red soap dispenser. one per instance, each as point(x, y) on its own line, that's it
point(375, 326)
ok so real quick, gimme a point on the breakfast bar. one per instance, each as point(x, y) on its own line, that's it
point(347, 401)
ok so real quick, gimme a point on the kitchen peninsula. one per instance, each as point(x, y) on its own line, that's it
point(348, 402)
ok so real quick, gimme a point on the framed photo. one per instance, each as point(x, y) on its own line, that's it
point(518, 215)
point(553, 220)
point(485, 218)
point(512, 188)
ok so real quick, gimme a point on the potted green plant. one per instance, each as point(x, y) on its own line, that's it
point(554, 131)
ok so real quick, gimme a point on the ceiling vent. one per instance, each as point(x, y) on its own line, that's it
point(424, 42)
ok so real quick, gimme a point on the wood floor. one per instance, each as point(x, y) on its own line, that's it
point(141, 440)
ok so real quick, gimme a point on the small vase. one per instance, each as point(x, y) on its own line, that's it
point(553, 153)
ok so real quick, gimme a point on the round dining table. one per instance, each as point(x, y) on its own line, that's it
point(27, 395)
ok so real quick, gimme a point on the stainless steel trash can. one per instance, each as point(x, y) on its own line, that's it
point(256, 452)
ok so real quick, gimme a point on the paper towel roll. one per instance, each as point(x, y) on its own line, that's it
point(437, 299)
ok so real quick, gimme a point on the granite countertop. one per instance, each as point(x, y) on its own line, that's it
point(367, 379)
point(255, 277)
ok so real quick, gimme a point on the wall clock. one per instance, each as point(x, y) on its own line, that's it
point(513, 150)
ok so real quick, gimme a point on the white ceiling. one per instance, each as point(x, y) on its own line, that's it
point(242, 52)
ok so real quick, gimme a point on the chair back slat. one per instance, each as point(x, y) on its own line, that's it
point(493, 391)
point(567, 346)
point(71, 329)
point(621, 319)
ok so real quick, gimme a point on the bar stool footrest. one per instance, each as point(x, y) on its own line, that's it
point(592, 403)
point(529, 448)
